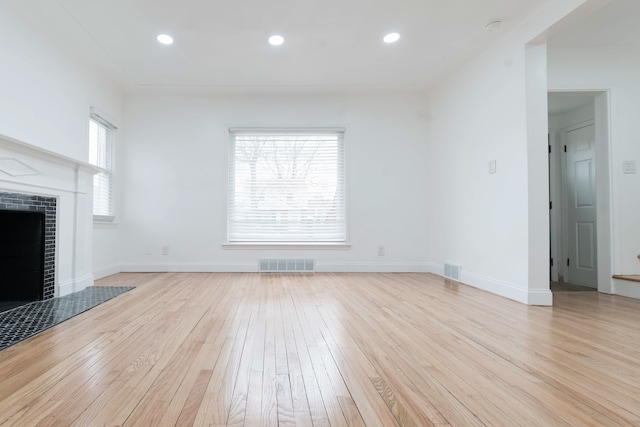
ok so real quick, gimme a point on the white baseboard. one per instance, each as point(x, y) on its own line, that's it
point(186, 267)
point(542, 297)
point(498, 287)
point(71, 286)
point(435, 268)
point(106, 271)
point(371, 267)
point(252, 267)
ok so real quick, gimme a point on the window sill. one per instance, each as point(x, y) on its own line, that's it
point(287, 245)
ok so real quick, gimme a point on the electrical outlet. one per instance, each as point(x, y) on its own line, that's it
point(380, 250)
point(629, 166)
point(165, 250)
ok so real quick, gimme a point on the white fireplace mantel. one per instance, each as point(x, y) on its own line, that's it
point(27, 169)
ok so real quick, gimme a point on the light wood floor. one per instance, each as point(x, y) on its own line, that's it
point(327, 350)
point(568, 287)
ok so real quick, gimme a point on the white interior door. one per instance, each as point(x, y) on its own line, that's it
point(581, 206)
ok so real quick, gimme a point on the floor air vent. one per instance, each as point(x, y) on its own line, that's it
point(283, 265)
point(452, 271)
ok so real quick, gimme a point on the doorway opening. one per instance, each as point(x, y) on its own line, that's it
point(579, 231)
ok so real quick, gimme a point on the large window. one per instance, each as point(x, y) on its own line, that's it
point(100, 154)
point(287, 186)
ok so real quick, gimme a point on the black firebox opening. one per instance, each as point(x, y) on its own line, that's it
point(22, 237)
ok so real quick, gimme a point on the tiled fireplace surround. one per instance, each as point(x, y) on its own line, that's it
point(47, 205)
point(33, 178)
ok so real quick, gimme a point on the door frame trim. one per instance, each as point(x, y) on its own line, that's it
point(604, 191)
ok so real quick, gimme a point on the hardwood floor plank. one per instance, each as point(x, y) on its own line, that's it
point(166, 386)
point(284, 397)
point(189, 395)
point(255, 375)
point(347, 349)
point(317, 410)
point(297, 389)
point(406, 349)
point(237, 410)
point(313, 342)
point(214, 408)
point(285, 413)
point(189, 405)
point(269, 373)
point(363, 326)
point(60, 343)
point(139, 371)
point(77, 370)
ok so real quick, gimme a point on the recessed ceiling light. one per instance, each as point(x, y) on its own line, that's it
point(493, 26)
point(165, 38)
point(391, 38)
point(276, 40)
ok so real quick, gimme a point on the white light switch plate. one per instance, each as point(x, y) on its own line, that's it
point(492, 166)
point(629, 166)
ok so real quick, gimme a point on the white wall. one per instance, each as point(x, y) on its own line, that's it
point(493, 108)
point(46, 91)
point(46, 94)
point(106, 250)
point(175, 165)
point(615, 69)
point(478, 115)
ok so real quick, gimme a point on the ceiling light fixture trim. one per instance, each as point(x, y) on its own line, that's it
point(493, 26)
point(165, 39)
point(276, 40)
point(391, 37)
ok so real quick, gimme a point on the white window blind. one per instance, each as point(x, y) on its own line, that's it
point(100, 154)
point(287, 186)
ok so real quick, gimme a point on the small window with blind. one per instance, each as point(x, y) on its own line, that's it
point(287, 186)
point(100, 154)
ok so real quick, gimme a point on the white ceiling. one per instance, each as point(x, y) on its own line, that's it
point(330, 44)
point(615, 24)
point(223, 44)
point(562, 102)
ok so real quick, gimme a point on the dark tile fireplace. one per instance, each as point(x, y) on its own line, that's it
point(27, 247)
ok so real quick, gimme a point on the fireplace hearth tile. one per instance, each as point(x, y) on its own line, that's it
point(20, 323)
